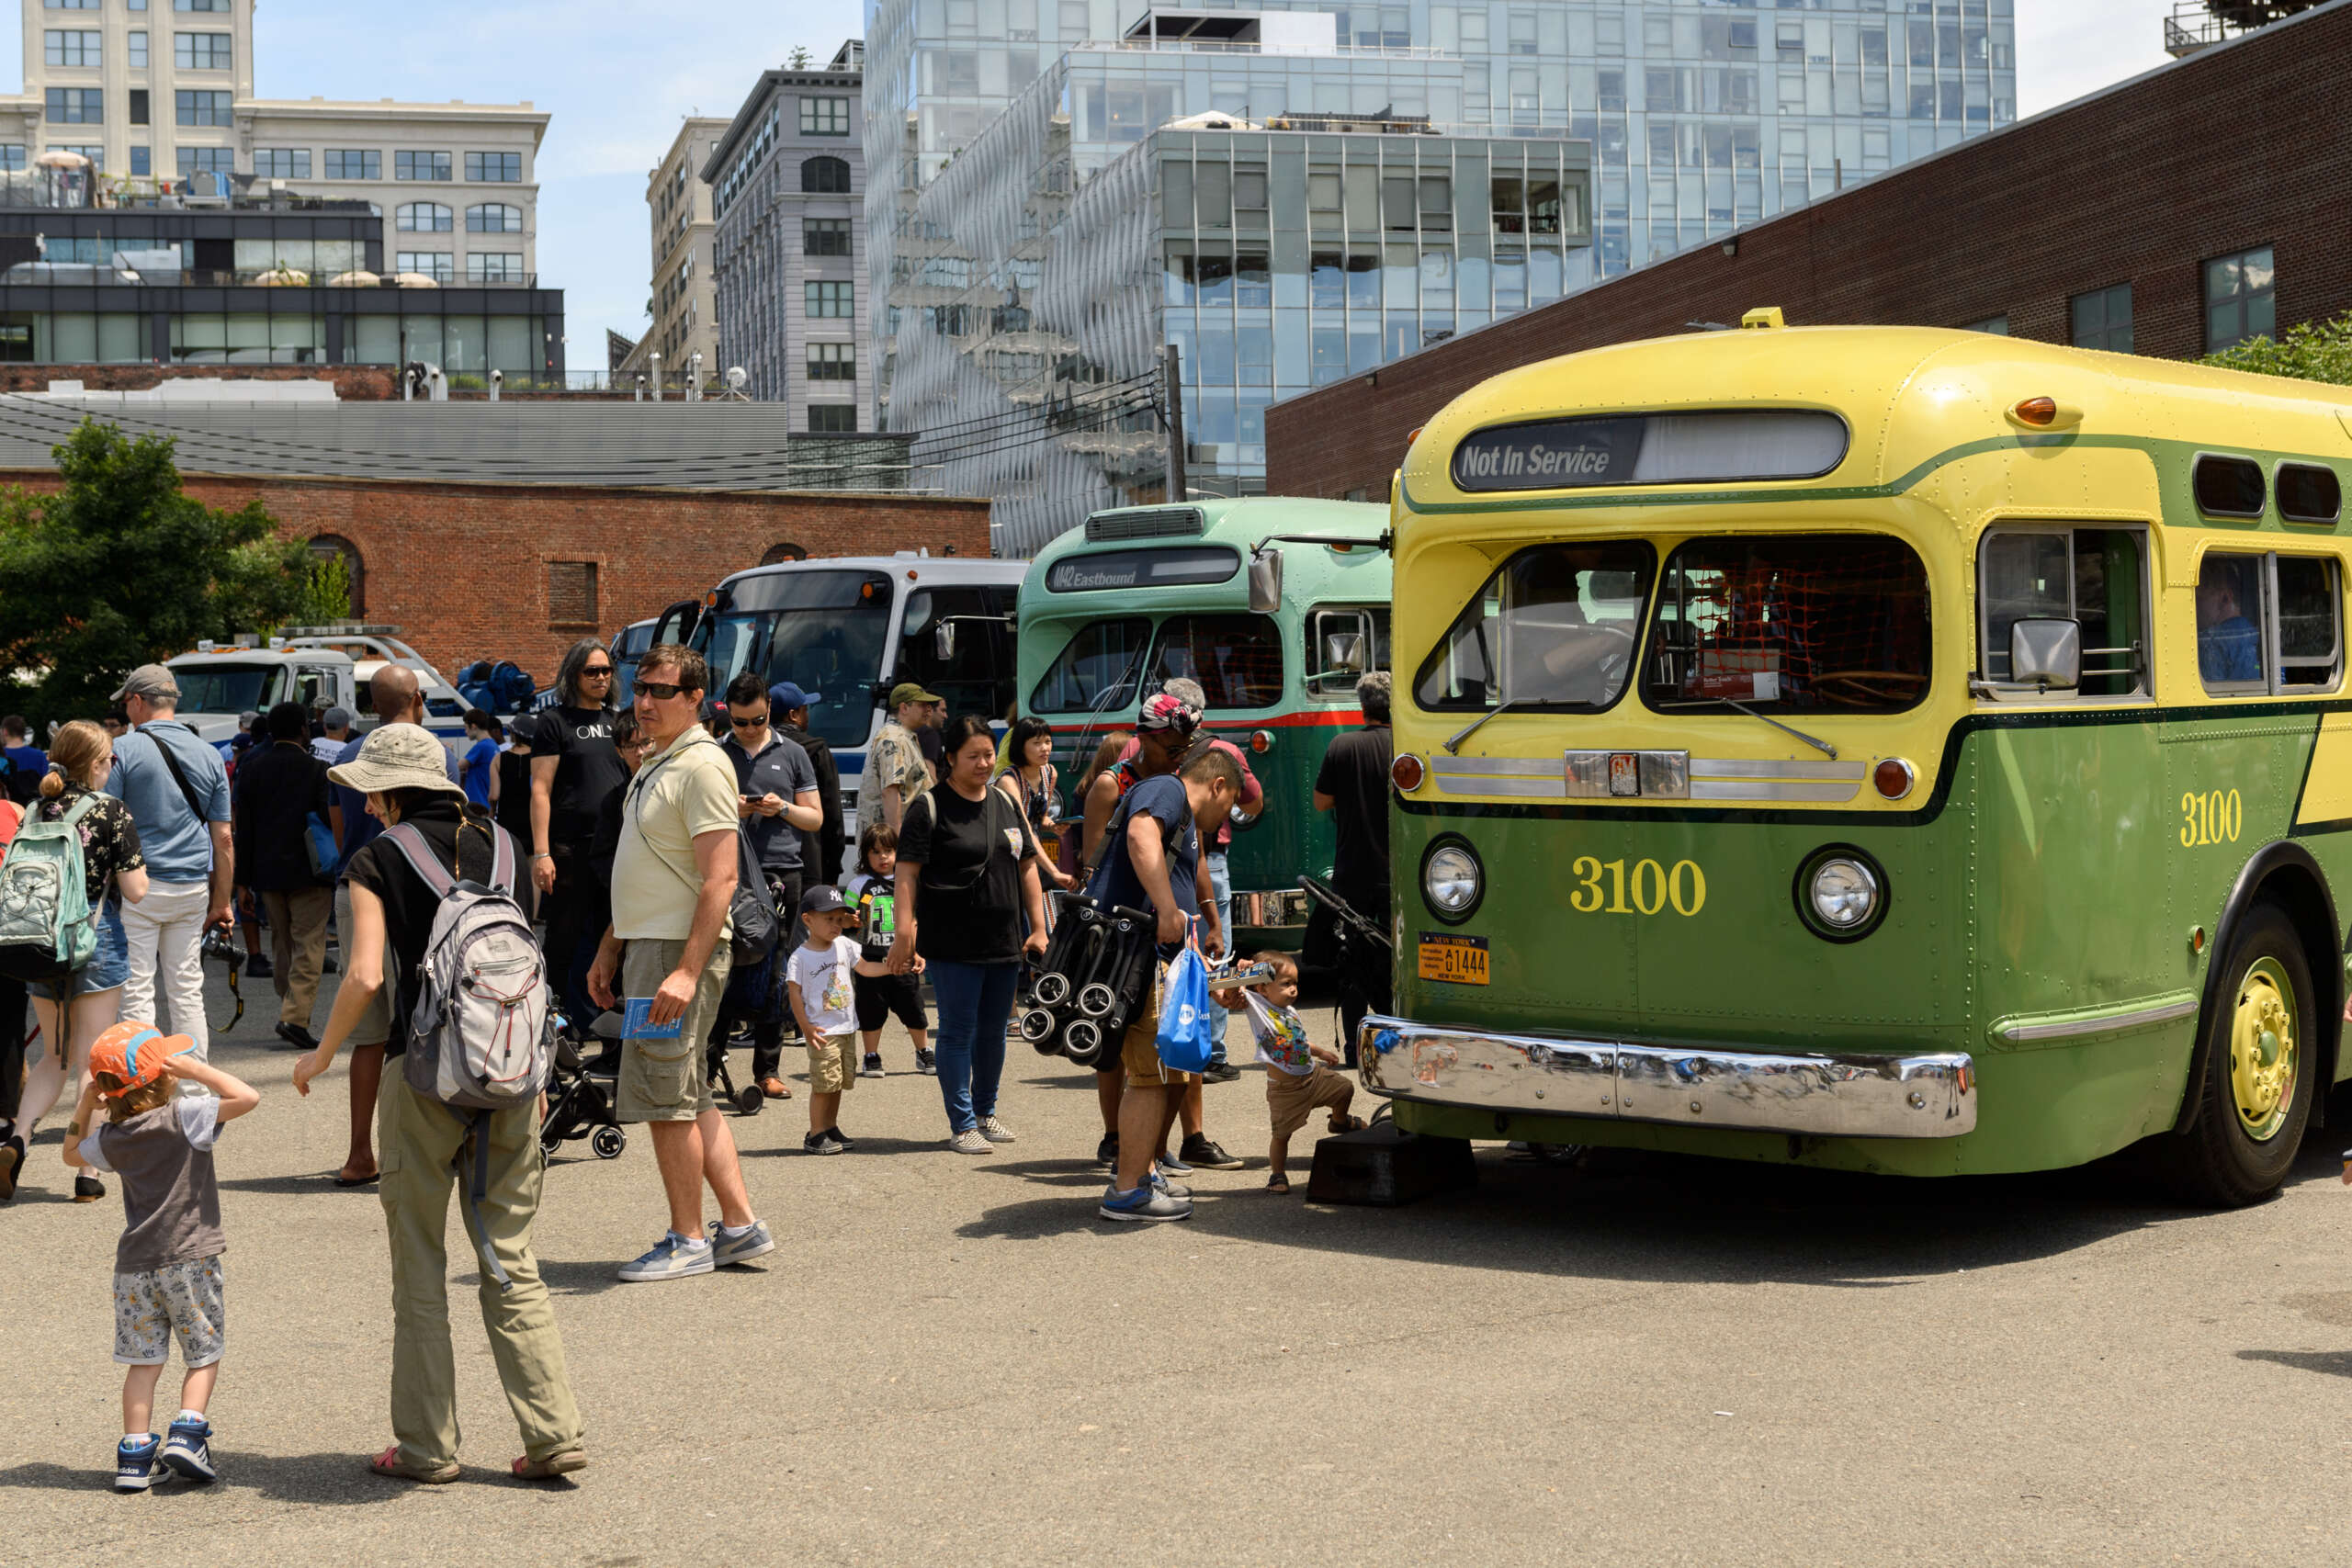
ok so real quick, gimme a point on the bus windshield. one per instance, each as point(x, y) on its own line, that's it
point(1553, 628)
point(1238, 659)
point(824, 631)
point(1792, 624)
point(230, 688)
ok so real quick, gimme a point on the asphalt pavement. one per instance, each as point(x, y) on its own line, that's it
point(1639, 1360)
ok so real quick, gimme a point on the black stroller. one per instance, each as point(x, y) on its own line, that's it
point(580, 1094)
point(1363, 959)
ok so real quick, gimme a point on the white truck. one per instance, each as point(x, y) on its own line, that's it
point(217, 684)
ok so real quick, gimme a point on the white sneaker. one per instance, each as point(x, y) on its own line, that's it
point(969, 1142)
point(996, 1132)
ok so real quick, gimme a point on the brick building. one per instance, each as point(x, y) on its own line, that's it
point(521, 571)
point(2169, 215)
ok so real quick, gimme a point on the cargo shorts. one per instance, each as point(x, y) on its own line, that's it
point(1139, 1048)
point(663, 1080)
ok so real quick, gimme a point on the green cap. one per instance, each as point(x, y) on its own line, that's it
point(907, 692)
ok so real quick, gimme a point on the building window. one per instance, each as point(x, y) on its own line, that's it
point(95, 154)
point(282, 163)
point(498, 266)
point(70, 46)
point(138, 106)
point(571, 593)
point(1997, 325)
point(494, 167)
point(12, 157)
point(200, 51)
point(438, 265)
point(2241, 299)
point(494, 218)
point(354, 164)
point(2102, 318)
point(824, 236)
point(334, 546)
point(824, 117)
point(419, 165)
point(204, 108)
point(70, 5)
point(220, 6)
point(143, 162)
point(422, 217)
point(832, 362)
point(139, 48)
point(206, 161)
point(828, 299)
point(824, 177)
point(833, 419)
point(75, 105)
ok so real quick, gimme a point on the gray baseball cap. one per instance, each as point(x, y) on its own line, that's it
point(149, 681)
point(336, 719)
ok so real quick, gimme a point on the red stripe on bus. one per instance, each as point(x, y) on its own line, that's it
point(1336, 718)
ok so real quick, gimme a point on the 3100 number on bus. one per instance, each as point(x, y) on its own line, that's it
point(1604, 888)
point(2216, 816)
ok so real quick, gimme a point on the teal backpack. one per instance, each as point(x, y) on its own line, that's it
point(48, 929)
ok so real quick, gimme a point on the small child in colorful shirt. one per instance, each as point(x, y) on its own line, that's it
point(1299, 1080)
point(821, 981)
point(167, 1266)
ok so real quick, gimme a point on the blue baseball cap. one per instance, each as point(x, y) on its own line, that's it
point(784, 697)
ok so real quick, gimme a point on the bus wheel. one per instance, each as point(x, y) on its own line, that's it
point(2260, 1060)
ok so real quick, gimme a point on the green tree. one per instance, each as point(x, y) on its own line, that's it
point(327, 593)
point(119, 568)
point(799, 58)
point(2318, 351)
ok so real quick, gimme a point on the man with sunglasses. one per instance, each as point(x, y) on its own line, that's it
point(776, 797)
point(575, 768)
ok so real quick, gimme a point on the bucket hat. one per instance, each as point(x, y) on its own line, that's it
point(397, 756)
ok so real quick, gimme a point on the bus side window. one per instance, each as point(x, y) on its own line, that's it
point(2268, 623)
point(2229, 620)
point(2311, 624)
point(2096, 577)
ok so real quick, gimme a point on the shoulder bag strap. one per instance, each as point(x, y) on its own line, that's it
point(421, 858)
point(502, 860)
point(172, 765)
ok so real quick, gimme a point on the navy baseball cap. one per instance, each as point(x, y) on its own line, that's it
point(784, 697)
point(822, 900)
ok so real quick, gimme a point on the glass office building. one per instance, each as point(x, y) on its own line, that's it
point(1046, 207)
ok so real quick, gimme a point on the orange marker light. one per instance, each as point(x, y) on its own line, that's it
point(1261, 742)
point(2038, 412)
point(1405, 772)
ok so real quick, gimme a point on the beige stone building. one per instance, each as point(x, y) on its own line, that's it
point(682, 301)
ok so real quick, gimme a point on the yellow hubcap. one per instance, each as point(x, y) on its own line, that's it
point(2262, 1044)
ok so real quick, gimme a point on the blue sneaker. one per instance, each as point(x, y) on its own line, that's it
point(1145, 1203)
point(1169, 1165)
point(134, 1465)
point(727, 1250)
point(188, 1449)
point(674, 1257)
point(1172, 1189)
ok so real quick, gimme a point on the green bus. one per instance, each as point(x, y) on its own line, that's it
point(1884, 749)
point(1141, 595)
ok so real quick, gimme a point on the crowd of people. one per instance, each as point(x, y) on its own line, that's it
point(630, 839)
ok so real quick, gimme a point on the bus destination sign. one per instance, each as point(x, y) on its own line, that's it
point(1559, 454)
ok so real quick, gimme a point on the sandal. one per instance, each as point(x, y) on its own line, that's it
point(1278, 1184)
point(548, 1469)
point(343, 1179)
point(1342, 1123)
point(389, 1464)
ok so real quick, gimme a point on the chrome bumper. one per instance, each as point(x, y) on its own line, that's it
point(1931, 1095)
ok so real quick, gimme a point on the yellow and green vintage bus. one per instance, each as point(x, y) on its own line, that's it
point(1894, 750)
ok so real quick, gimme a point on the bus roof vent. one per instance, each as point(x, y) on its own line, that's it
point(1157, 523)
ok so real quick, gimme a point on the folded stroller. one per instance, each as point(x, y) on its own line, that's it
point(581, 1094)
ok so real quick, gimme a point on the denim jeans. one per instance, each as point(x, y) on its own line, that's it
point(975, 1003)
point(1221, 882)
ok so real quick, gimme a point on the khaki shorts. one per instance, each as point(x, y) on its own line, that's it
point(1290, 1099)
point(833, 1063)
point(662, 1080)
point(1139, 1049)
point(375, 1025)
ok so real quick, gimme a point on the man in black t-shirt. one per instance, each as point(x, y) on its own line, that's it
point(574, 768)
point(1352, 786)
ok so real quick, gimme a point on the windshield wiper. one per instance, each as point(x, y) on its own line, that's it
point(1817, 744)
point(1453, 747)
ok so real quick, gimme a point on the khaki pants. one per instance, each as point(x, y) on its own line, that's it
point(298, 948)
point(419, 1140)
point(663, 1080)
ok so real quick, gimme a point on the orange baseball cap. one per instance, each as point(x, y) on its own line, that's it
point(135, 1053)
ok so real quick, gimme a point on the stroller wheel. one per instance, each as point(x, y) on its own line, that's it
point(748, 1100)
point(1051, 990)
point(608, 1142)
point(1096, 999)
point(1082, 1042)
point(1038, 1028)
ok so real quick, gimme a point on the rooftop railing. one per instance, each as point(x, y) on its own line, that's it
point(100, 275)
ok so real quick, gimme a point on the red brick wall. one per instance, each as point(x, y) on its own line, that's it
point(462, 568)
point(2242, 147)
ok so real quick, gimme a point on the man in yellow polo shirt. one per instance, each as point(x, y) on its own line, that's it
point(673, 879)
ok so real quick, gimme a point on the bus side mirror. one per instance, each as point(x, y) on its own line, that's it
point(2046, 653)
point(1265, 581)
point(944, 640)
point(1343, 653)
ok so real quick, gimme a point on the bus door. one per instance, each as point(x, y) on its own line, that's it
point(957, 638)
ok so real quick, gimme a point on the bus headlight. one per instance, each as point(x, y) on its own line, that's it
point(1842, 893)
point(1451, 880)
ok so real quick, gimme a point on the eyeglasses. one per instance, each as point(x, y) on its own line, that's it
point(596, 671)
point(662, 691)
point(747, 723)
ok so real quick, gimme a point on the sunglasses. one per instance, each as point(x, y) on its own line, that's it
point(662, 691)
point(596, 672)
point(747, 723)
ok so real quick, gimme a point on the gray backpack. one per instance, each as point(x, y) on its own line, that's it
point(481, 1035)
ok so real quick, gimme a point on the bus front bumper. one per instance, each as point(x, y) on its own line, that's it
point(1845, 1095)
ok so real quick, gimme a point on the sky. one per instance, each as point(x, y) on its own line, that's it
point(618, 76)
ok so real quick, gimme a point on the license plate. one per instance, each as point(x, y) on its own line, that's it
point(1459, 959)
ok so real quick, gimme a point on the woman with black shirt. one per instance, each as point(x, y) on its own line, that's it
point(401, 769)
point(968, 870)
